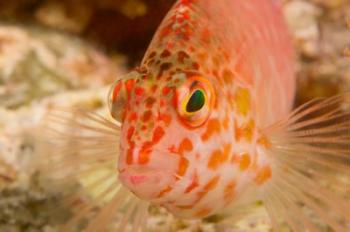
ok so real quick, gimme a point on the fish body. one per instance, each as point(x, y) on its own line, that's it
point(205, 126)
point(241, 56)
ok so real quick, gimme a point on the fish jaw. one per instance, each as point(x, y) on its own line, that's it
point(147, 180)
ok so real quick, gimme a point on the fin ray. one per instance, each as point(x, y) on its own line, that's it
point(81, 148)
point(310, 158)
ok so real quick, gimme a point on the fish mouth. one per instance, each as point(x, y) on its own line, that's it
point(148, 181)
point(144, 182)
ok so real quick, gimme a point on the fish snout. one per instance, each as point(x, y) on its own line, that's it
point(147, 180)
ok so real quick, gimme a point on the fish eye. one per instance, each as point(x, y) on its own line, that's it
point(117, 100)
point(195, 99)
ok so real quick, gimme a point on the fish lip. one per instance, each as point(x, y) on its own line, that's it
point(138, 170)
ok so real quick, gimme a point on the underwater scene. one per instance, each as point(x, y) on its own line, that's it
point(175, 115)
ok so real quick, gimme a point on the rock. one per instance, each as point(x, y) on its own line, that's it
point(302, 17)
point(35, 63)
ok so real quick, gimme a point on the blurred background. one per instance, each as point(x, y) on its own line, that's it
point(67, 52)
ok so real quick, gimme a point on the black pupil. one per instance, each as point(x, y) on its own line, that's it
point(196, 102)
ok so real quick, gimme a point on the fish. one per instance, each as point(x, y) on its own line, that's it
point(205, 126)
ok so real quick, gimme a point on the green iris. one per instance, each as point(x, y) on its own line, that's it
point(196, 101)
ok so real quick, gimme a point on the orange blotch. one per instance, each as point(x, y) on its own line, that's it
point(195, 65)
point(166, 118)
point(183, 165)
point(164, 191)
point(208, 187)
point(149, 102)
point(244, 162)
point(166, 90)
point(147, 116)
point(133, 116)
point(181, 56)
point(203, 212)
point(144, 156)
point(193, 185)
point(219, 157)
point(139, 91)
point(190, 206)
point(203, 56)
point(242, 99)
point(205, 35)
point(154, 88)
point(263, 175)
point(166, 53)
point(211, 184)
point(227, 76)
point(185, 145)
point(226, 122)
point(264, 141)
point(245, 132)
point(238, 132)
point(229, 191)
point(248, 130)
point(158, 134)
point(213, 127)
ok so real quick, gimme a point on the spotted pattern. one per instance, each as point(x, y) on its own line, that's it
point(203, 168)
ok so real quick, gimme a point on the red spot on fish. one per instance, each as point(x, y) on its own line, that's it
point(130, 133)
point(139, 91)
point(166, 53)
point(144, 156)
point(182, 56)
point(129, 84)
point(166, 90)
point(153, 54)
point(133, 116)
point(195, 65)
point(158, 134)
point(147, 116)
point(185, 145)
point(116, 91)
point(150, 101)
point(194, 184)
point(166, 118)
point(129, 154)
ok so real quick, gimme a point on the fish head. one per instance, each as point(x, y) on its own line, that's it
point(164, 130)
point(182, 128)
